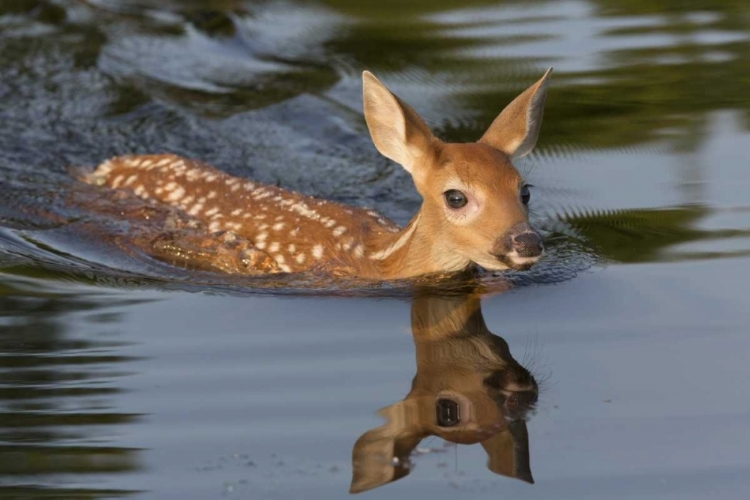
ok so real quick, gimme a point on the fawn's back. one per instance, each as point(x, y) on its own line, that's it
point(297, 232)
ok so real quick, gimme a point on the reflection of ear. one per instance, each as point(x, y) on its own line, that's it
point(381, 455)
point(508, 452)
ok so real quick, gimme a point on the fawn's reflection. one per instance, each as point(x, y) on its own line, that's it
point(468, 389)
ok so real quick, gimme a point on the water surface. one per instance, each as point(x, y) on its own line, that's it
point(123, 376)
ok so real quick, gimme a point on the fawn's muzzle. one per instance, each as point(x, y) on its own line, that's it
point(527, 243)
point(520, 247)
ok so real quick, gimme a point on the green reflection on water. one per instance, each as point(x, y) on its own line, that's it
point(56, 393)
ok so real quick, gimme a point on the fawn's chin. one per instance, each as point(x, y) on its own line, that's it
point(510, 261)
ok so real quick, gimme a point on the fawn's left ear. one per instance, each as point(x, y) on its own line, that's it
point(396, 129)
point(516, 128)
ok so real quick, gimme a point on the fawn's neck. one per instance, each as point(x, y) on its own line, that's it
point(412, 251)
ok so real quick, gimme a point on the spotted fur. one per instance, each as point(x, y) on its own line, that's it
point(297, 232)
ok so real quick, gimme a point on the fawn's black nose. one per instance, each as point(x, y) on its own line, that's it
point(520, 247)
point(528, 244)
point(524, 241)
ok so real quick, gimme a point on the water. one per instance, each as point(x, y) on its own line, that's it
point(122, 376)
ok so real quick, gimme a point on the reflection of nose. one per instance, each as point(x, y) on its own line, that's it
point(528, 244)
point(520, 401)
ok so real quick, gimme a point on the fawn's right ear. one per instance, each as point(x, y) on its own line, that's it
point(396, 129)
point(516, 128)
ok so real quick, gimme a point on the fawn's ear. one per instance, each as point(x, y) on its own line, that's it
point(516, 128)
point(508, 452)
point(397, 130)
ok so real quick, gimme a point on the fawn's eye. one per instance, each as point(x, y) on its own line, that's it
point(455, 198)
point(525, 194)
point(447, 413)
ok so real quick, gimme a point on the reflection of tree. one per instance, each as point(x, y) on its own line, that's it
point(54, 393)
point(637, 95)
point(648, 235)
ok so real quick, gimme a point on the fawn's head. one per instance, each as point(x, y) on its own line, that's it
point(468, 389)
point(474, 200)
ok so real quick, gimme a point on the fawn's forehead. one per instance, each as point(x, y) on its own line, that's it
point(478, 164)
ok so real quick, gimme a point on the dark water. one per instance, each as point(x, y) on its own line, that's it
point(122, 376)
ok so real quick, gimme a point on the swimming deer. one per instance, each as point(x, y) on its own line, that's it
point(468, 389)
point(473, 211)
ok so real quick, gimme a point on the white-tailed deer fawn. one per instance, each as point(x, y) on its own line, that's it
point(473, 210)
point(468, 389)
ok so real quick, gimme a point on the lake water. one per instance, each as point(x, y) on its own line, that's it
point(123, 376)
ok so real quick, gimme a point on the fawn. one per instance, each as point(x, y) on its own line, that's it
point(473, 212)
point(468, 389)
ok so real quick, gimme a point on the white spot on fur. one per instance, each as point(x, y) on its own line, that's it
point(300, 258)
point(117, 181)
point(317, 251)
point(213, 211)
point(302, 209)
point(211, 195)
point(292, 248)
point(339, 231)
point(278, 226)
point(261, 236)
point(236, 212)
point(274, 247)
point(130, 180)
point(400, 242)
point(260, 245)
point(176, 194)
